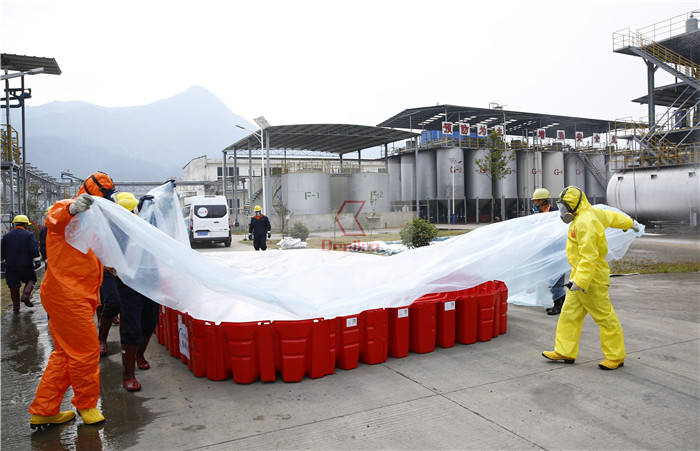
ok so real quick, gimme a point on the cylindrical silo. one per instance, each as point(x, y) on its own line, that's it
point(307, 193)
point(426, 174)
point(596, 177)
point(449, 161)
point(507, 187)
point(553, 172)
point(478, 182)
point(373, 189)
point(661, 194)
point(574, 170)
point(408, 170)
point(340, 190)
point(394, 168)
point(529, 173)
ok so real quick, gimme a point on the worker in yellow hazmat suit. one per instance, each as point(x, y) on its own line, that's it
point(586, 248)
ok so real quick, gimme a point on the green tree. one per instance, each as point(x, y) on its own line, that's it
point(495, 164)
point(418, 233)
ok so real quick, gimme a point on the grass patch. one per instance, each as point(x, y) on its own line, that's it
point(651, 267)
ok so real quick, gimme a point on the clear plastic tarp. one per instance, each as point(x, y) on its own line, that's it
point(527, 253)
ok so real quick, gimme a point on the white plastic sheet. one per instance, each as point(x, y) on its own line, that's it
point(526, 253)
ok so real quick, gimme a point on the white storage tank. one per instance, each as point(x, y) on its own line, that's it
point(553, 172)
point(448, 160)
point(529, 173)
point(661, 194)
point(373, 188)
point(426, 175)
point(307, 193)
point(340, 190)
point(507, 187)
point(408, 170)
point(478, 183)
point(595, 190)
point(394, 168)
point(574, 171)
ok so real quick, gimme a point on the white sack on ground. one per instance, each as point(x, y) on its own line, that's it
point(526, 253)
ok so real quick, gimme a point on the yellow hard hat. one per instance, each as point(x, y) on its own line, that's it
point(541, 193)
point(257, 208)
point(21, 219)
point(127, 200)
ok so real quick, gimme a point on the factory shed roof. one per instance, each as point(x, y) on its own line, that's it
point(23, 63)
point(335, 138)
point(517, 122)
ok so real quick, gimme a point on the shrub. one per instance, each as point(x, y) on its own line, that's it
point(299, 231)
point(418, 233)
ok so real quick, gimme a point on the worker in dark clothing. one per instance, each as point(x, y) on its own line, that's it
point(20, 257)
point(109, 309)
point(259, 229)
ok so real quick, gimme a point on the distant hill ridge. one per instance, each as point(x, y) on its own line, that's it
point(146, 142)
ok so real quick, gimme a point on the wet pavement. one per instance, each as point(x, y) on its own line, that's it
point(493, 395)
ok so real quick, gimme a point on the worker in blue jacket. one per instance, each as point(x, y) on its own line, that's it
point(20, 257)
point(259, 229)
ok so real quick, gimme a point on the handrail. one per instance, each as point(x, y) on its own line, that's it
point(659, 31)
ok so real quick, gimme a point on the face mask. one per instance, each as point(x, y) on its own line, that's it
point(535, 208)
point(564, 213)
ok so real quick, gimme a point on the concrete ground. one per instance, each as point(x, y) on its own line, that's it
point(493, 395)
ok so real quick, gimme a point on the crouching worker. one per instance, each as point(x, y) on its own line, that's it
point(69, 294)
point(586, 248)
point(139, 316)
point(259, 229)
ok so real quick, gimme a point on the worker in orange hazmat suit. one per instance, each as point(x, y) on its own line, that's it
point(69, 294)
point(586, 248)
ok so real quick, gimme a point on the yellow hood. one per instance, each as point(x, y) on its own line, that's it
point(574, 198)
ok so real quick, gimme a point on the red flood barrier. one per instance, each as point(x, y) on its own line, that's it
point(259, 350)
point(399, 331)
point(347, 342)
point(374, 336)
point(423, 324)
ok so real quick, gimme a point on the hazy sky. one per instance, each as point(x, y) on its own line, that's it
point(328, 61)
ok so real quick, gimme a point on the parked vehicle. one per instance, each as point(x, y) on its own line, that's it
point(207, 219)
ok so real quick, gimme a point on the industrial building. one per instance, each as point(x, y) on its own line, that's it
point(656, 179)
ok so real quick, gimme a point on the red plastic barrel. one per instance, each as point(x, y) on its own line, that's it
point(183, 319)
point(173, 332)
point(496, 293)
point(374, 336)
point(503, 289)
point(197, 363)
point(160, 326)
point(322, 348)
point(467, 315)
point(247, 350)
point(486, 302)
point(423, 324)
point(347, 350)
point(293, 348)
point(446, 320)
point(215, 352)
point(399, 330)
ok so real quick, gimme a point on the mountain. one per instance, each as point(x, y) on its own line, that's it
point(148, 142)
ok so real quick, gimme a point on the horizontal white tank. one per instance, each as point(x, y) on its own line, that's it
point(394, 168)
point(408, 171)
point(478, 182)
point(307, 193)
point(667, 193)
point(553, 172)
point(447, 161)
point(507, 187)
point(574, 171)
point(373, 189)
point(426, 174)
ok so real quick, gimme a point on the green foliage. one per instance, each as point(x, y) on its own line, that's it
point(418, 233)
point(299, 231)
point(496, 164)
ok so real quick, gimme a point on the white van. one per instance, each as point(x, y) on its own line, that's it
point(207, 219)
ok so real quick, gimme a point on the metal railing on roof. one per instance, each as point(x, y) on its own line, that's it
point(659, 31)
